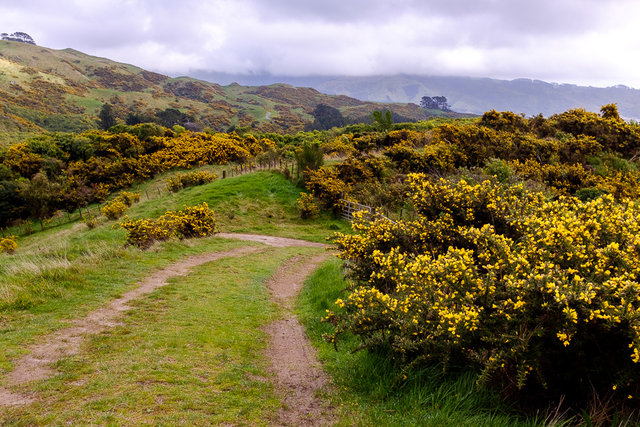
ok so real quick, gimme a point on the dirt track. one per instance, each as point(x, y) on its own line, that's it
point(297, 375)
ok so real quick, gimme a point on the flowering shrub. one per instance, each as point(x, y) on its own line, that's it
point(183, 180)
point(194, 221)
point(306, 206)
point(114, 209)
point(8, 244)
point(128, 198)
point(540, 295)
point(327, 186)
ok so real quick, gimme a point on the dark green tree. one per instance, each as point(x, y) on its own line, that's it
point(40, 196)
point(107, 117)
point(326, 117)
point(309, 156)
point(382, 120)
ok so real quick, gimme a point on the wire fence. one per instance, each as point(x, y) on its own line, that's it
point(349, 208)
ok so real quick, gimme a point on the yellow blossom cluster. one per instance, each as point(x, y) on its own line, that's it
point(189, 179)
point(8, 244)
point(192, 221)
point(118, 206)
point(529, 289)
point(307, 206)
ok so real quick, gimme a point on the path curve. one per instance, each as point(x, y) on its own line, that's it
point(297, 373)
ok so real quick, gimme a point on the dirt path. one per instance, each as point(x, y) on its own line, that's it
point(298, 377)
point(280, 242)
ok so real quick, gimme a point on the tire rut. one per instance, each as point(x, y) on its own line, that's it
point(299, 377)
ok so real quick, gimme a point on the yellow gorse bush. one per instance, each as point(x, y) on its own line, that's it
point(189, 179)
point(119, 205)
point(307, 206)
point(114, 209)
point(8, 244)
point(193, 221)
point(528, 289)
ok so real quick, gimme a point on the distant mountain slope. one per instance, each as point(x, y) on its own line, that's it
point(465, 94)
point(64, 90)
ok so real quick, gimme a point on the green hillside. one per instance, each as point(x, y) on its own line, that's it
point(64, 90)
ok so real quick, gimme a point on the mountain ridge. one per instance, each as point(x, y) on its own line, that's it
point(473, 95)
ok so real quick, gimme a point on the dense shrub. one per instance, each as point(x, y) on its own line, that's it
point(114, 209)
point(542, 296)
point(128, 198)
point(194, 221)
point(183, 180)
point(8, 244)
point(307, 206)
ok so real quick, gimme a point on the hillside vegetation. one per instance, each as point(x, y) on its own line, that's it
point(466, 94)
point(64, 90)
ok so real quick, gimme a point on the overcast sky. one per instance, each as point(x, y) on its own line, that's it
point(593, 42)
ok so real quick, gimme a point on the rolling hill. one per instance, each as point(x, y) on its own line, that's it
point(64, 90)
point(465, 94)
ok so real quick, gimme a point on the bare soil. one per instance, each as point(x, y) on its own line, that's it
point(299, 378)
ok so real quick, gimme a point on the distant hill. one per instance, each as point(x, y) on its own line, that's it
point(64, 90)
point(465, 94)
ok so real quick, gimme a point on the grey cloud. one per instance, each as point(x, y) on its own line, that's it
point(564, 39)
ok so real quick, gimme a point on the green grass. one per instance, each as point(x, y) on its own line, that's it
point(369, 388)
point(191, 353)
point(261, 202)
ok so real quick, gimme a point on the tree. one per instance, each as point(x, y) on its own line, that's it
point(18, 37)
point(40, 196)
point(107, 117)
point(435, 103)
point(172, 116)
point(327, 117)
point(382, 121)
point(309, 156)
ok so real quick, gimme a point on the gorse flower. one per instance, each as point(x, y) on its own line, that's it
point(500, 277)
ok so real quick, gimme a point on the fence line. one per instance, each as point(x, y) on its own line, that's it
point(349, 208)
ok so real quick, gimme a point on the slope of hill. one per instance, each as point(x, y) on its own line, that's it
point(465, 94)
point(63, 90)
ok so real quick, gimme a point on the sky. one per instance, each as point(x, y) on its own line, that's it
point(586, 42)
